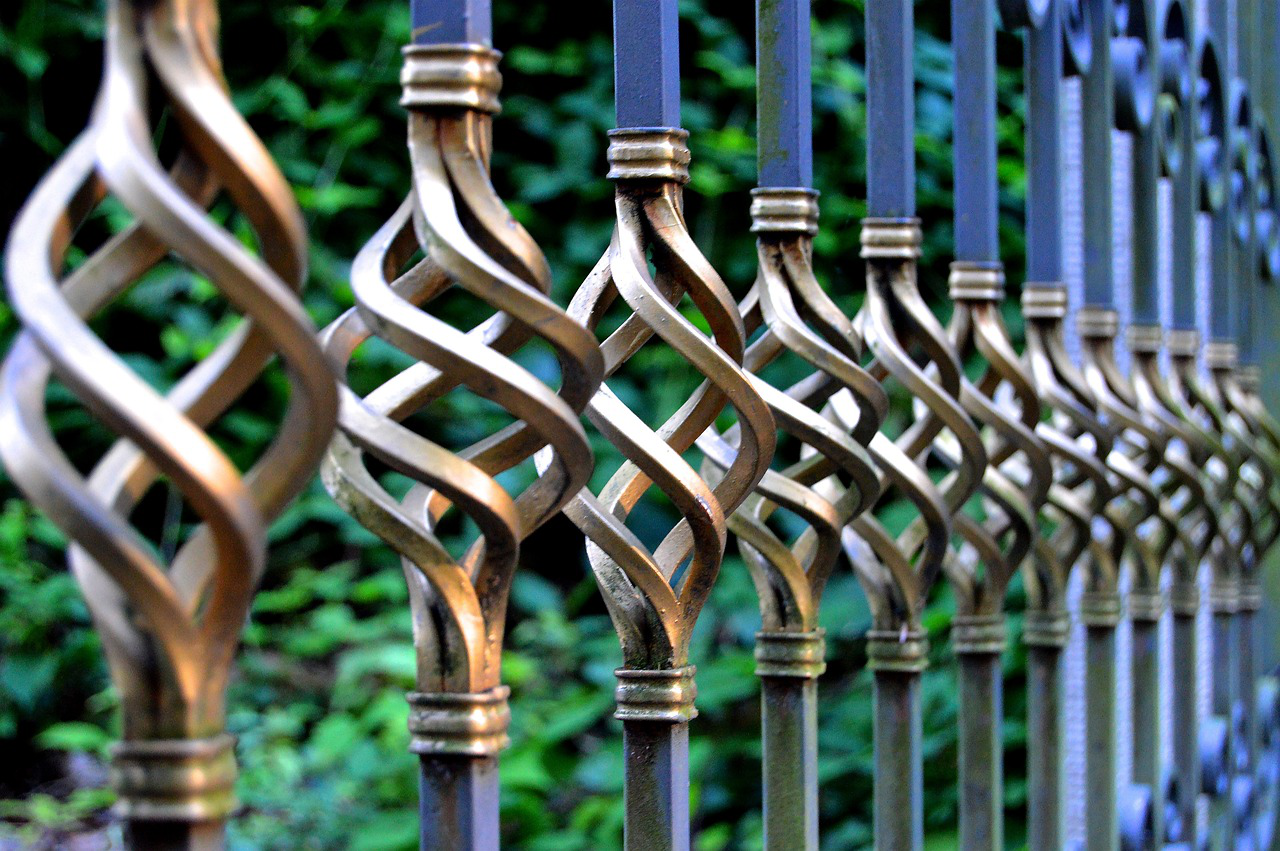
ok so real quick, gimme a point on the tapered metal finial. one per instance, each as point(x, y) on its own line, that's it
point(458, 715)
point(169, 630)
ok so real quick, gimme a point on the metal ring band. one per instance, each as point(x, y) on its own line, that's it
point(1221, 355)
point(1146, 605)
point(1224, 595)
point(473, 724)
point(1146, 339)
point(975, 634)
point(1182, 342)
point(1045, 628)
point(1100, 608)
point(657, 695)
point(658, 153)
point(971, 281)
point(1044, 301)
point(464, 76)
point(1249, 377)
point(791, 654)
point(1250, 599)
point(890, 650)
point(891, 238)
point(1184, 599)
point(184, 780)
point(778, 210)
point(1097, 323)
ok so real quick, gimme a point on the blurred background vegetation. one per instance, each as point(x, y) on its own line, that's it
point(318, 700)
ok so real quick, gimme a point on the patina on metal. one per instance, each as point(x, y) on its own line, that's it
point(654, 596)
point(832, 480)
point(1016, 481)
point(896, 573)
point(169, 630)
point(468, 241)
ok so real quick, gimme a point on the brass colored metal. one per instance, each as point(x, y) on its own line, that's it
point(896, 573)
point(652, 600)
point(826, 488)
point(1014, 488)
point(458, 715)
point(1079, 446)
point(169, 631)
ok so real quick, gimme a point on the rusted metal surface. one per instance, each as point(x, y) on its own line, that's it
point(169, 629)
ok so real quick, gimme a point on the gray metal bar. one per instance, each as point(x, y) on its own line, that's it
point(789, 708)
point(981, 754)
point(1102, 833)
point(1186, 193)
point(1042, 73)
point(1186, 721)
point(1098, 97)
point(1044, 746)
point(458, 802)
point(891, 160)
point(784, 107)
point(646, 63)
point(973, 44)
point(899, 782)
point(451, 22)
point(1148, 762)
point(1221, 828)
point(656, 756)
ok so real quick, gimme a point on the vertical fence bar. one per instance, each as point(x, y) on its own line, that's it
point(1016, 481)
point(896, 573)
point(788, 693)
point(1081, 488)
point(1098, 113)
point(898, 811)
point(169, 625)
point(458, 714)
point(797, 317)
point(654, 596)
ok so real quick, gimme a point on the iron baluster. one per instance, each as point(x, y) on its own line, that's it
point(458, 715)
point(896, 573)
point(826, 487)
point(1181, 491)
point(653, 597)
point(1072, 432)
point(169, 631)
point(1016, 481)
point(1115, 88)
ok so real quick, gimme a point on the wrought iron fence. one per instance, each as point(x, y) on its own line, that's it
point(1133, 481)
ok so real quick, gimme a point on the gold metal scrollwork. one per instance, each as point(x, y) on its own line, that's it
point(469, 243)
point(1017, 479)
point(654, 597)
point(170, 631)
point(897, 572)
point(834, 480)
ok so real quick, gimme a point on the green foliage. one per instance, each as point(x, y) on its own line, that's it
point(318, 698)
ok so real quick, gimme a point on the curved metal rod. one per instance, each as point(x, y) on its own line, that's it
point(470, 243)
point(169, 630)
point(896, 573)
point(1014, 488)
point(654, 596)
point(832, 482)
